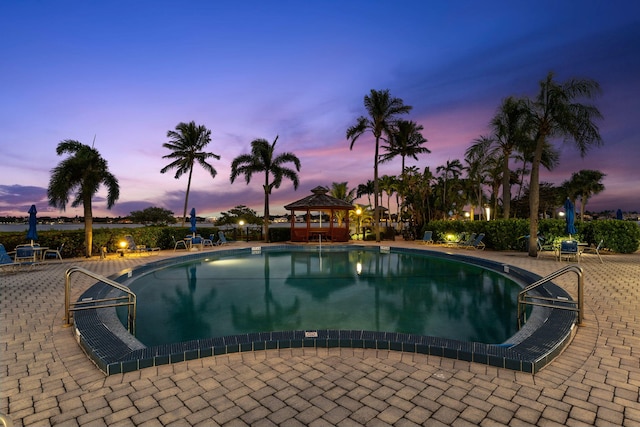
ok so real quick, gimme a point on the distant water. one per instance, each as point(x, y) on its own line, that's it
point(62, 227)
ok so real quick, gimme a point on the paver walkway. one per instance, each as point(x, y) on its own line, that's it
point(46, 379)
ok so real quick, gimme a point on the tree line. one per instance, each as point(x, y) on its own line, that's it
point(523, 132)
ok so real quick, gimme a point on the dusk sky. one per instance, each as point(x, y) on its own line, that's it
point(126, 72)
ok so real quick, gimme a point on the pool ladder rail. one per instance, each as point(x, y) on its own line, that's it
point(129, 299)
point(558, 302)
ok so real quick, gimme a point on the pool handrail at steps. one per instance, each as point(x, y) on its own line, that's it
point(91, 303)
point(555, 303)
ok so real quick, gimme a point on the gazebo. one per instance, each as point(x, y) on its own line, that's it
point(320, 201)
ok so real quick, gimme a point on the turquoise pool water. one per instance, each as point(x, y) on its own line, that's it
point(341, 289)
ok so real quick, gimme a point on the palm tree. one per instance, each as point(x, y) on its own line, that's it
point(187, 143)
point(263, 159)
point(511, 131)
point(82, 173)
point(556, 113)
point(584, 184)
point(453, 169)
point(340, 190)
point(383, 110)
point(365, 189)
point(405, 141)
point(477, 157)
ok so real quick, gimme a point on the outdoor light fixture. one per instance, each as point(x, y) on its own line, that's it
point(359, 268)
point(358, 213)
point(487, 210)
point(123, 246)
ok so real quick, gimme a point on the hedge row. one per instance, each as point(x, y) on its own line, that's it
point(512, 234)
point(618, 236)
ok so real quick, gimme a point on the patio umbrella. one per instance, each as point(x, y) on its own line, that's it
point(570, 214)
point(193, 221)
point(619, 214)
point(32, 234)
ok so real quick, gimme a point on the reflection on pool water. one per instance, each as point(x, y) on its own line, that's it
point(342, 289)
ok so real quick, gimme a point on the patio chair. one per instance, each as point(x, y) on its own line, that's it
point(197, 241)
point(6, 262)
point(568, 250)
point(25, 255)
point(139, 249)
point(179, 243)
point(547, 247)
point(477, 243)
point(208, 241)
point(53, 253)
point(427, 239)
point(594, 250)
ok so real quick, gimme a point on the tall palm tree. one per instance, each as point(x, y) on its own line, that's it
point(477, 158)
point(263, 159)
point(340, 190)
point(406, 141)
point(82, 174)
point(451, 170)
point(186, 144)
point(511, 131)
point(383, 111)
point(557, 113)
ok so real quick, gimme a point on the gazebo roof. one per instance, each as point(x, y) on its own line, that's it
point(319, 199)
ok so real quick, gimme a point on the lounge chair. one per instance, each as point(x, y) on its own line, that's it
point(465, 243)
point(427, 238)
point(222, 239)
point(568, 250)
point(461, 238)
point(594, 250)
point(53, 253)
point(477, 243)
point(139, 249)
point(6, 262)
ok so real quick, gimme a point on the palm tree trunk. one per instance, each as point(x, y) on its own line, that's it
point(376, 213)
point(506, 187)
point(186, 198)
point(88, 226)
point(534, 198)
point(267, 190)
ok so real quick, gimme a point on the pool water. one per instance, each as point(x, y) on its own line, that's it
point(342, 289)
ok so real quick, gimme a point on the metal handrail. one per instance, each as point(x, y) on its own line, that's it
point(95, 303)
point(558, 302)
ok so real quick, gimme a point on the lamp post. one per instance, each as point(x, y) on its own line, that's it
point(358, 213)
point(240, 225)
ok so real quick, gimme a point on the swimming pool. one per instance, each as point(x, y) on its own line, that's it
point(361, 289)
point(545, 334)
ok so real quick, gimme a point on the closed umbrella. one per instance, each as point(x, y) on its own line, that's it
point(619, 214)
point(570, 214)
point(32, 234)
point(193, 221)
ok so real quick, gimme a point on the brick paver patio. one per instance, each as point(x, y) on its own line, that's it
point(46, 379)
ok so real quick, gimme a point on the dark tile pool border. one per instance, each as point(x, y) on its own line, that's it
point(115, 351)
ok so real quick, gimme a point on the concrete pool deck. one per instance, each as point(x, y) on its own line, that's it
point(45, 377)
